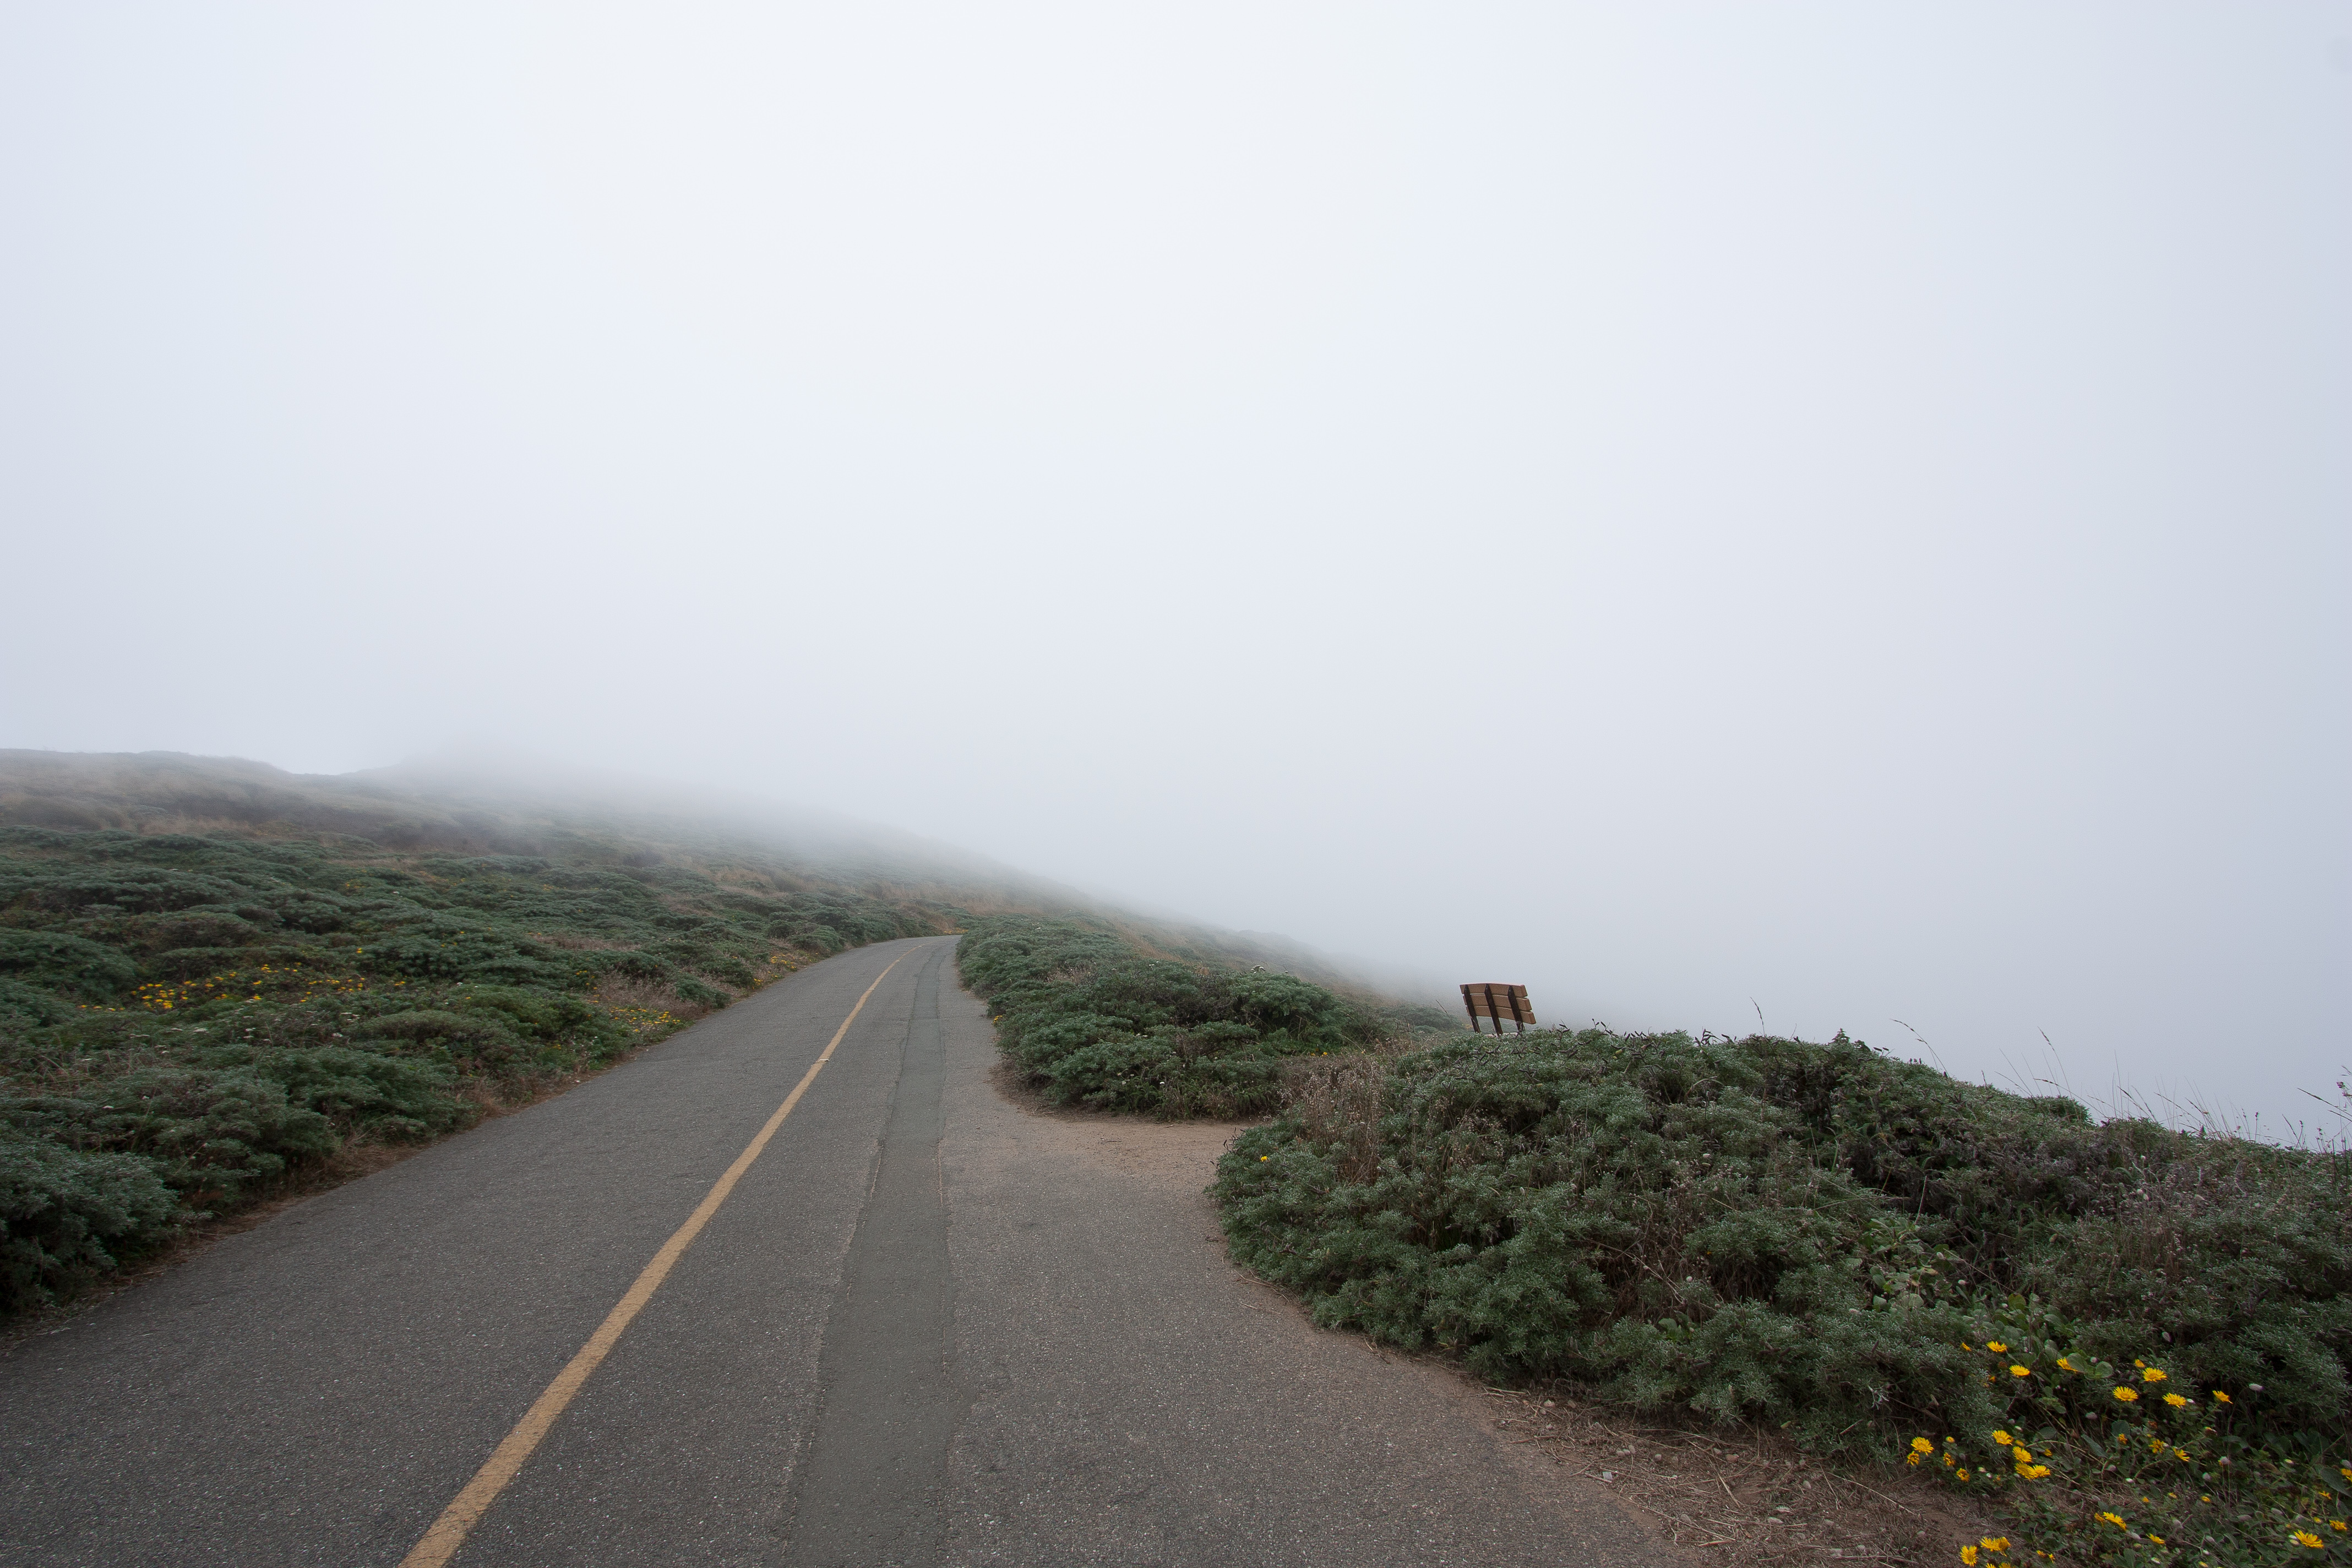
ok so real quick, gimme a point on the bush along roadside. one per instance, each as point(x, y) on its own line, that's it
point(2138, 1339)
point(188, 1022)
point(1095, 1021)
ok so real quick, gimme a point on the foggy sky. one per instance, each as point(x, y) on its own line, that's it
point(1831, 514)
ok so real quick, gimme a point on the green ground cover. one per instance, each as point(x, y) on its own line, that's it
point(1101, 1017)
point(189, 1022)
point(2137, 1339)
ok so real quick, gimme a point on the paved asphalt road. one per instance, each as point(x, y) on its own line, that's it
point(928, 1327)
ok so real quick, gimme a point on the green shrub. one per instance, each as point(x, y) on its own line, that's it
point(1774, 1231)
point(2239, 1252)
point(628, 965)
point(477, 1040)
point(2134, 1463)
point(69, 965)
point(211, 1133)
point(195, 928)
point(386, 1097)
point(699, 992)
point(1111, 1069)
point(538, 1014)
point(196, 962)
point(67, 1214)
point(1095, 1022)
point(24, 1006)
point(732, 971)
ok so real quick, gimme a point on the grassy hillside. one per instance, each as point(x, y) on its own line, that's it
point(191, 1021)
point(475, 806)
point(220, 981)
point(2137, 1339)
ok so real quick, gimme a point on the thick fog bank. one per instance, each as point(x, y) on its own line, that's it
point(1802, 516)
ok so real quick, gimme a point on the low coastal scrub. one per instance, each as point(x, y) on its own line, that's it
point(1093, 1020)
point(186, 1021)
point(2138, 1338)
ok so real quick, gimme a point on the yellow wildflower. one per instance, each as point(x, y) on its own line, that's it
point(2305, 1538)
point(2114, 1518)
point(2182, 1455)
point(2338, 1524)
point(1968, 1556)
point(2175, 1401)
point(2068, 1366)
point(2017, 1371)
point(2219, 1397)
point(2022, 1455)
point(2002, 1438)
point(2155, 1537)
point(1995, 1543)
point(2152, 1374)
point(1996, 1347)
point(2126, 1395)
point(1921, 1446)
point(1960, 1474)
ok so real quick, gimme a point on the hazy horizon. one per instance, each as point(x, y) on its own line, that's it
point(1830, 517)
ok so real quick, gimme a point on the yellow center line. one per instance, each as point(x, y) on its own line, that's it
point(448, 1532)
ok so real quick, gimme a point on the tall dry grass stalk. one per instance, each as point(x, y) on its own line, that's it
point(623, 991)
point(1336, 1100)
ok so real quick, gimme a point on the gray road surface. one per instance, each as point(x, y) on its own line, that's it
point(929, 1327)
